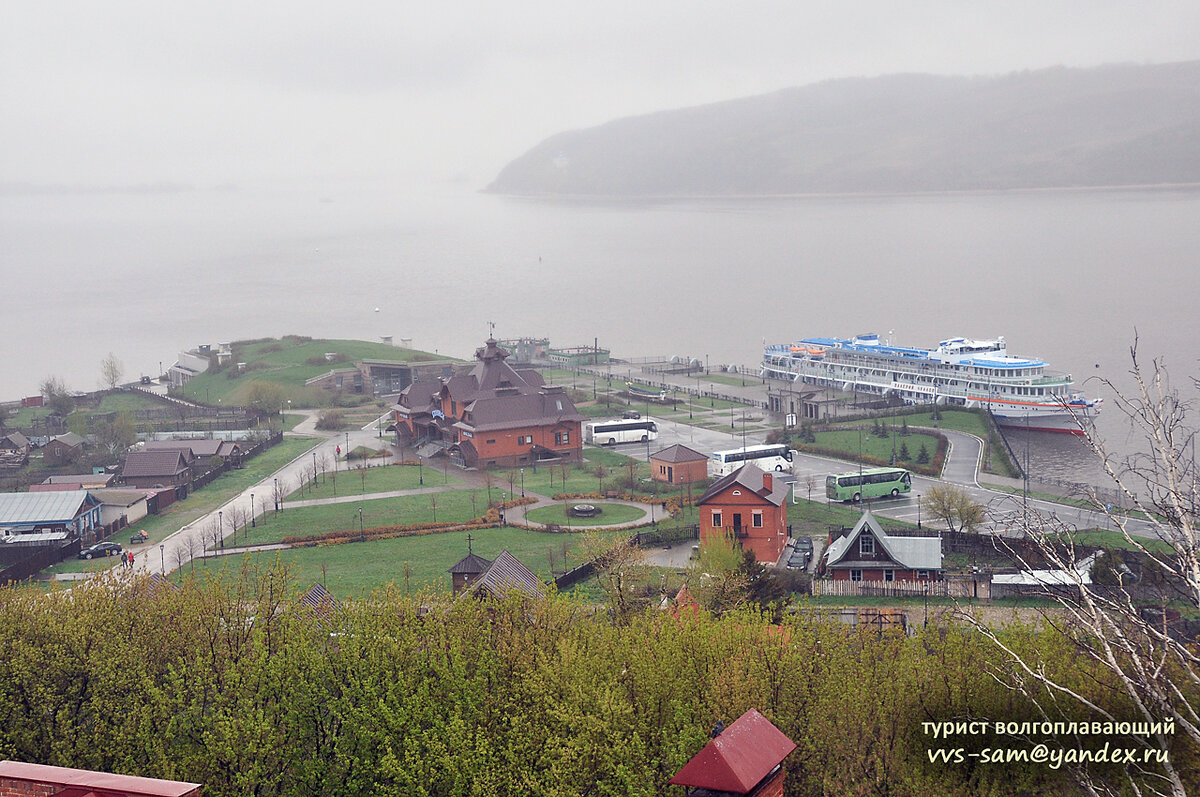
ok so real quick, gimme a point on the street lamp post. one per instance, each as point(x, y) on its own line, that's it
point(362, 534)
point(221, 527)
point(314, 469)
point(275, 494)
point(522, 482)
point(918, 510)
point(162, 556)
point(252, 524)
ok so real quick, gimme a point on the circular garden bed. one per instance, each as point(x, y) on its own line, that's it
point(608, 515)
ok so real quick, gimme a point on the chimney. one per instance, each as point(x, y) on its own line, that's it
point(768, 482)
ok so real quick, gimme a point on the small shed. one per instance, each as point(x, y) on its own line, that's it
point(745, 758)
point(678, 465)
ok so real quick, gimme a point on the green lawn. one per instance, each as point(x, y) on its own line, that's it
point(285, 362)
point(610, 514)
point(815, 517)
point(24, 417)
point(1108, 538)
point(956, 420)
point(203, 501)
point(733, 381)
point(449, 506)
point(851, 442)
point(376, 479)
point(350, 569)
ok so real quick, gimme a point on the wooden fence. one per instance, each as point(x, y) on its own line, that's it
point(950, 588)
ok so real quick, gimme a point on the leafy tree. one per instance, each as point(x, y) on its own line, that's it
point(717, 577)
point(265, 398)
point(111, 371)
point(117, 435)
point(58, 398)
point(619, 567)
point(954, 506)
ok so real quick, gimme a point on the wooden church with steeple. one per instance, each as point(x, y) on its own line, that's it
point(493, 415)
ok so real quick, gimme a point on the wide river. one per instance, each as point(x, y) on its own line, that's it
point(1068, 276)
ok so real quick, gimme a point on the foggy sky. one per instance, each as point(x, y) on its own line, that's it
point(126, 93)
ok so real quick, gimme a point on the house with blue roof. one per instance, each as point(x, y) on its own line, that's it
point(75, 513)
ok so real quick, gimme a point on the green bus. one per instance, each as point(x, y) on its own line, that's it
point(870, 483)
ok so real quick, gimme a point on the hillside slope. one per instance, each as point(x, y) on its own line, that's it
point(1060, 127)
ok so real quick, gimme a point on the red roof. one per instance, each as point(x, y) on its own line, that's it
point(740, 758)
point(99, 783)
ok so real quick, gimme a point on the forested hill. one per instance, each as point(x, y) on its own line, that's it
point(1059, 127)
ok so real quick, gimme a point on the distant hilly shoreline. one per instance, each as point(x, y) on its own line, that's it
point(1123, 126)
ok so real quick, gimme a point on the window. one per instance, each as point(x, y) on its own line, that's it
point(492, 441)
point(525, 440)
point(922, 575)
point(737, 492)
point(716, 519)
point(866, 545)
point(889, 575)
point(856, 575)
point(757, 521)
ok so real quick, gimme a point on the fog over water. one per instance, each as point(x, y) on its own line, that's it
point(1067, 276)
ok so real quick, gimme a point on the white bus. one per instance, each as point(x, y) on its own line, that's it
point(723, 463)
point(625, 430)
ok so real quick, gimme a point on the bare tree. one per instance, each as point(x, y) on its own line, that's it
point(279, 491)
point(1124, 625)
point(212, 534)
point(111, 371)
point(238, 518)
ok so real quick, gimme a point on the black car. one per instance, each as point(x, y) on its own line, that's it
point(804, 544)
point(101, 549)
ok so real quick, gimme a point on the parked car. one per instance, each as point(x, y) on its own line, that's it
point(101, 549)
point(631, 414)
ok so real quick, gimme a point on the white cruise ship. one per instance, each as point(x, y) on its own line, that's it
point(1018, 391)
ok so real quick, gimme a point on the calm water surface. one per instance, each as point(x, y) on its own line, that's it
point(1070, 277)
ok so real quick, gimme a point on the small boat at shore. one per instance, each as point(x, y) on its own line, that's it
point(1018, 391)
point(646, 393)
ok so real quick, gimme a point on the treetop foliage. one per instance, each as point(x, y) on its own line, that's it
point(244, 689)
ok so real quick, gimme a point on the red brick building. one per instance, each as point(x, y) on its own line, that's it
point(745, 758)
point(752, 506)
point(18, 779)
point(493, 416)
point(678, 465)
point(868, 553)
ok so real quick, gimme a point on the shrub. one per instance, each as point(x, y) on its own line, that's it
point(330, 420)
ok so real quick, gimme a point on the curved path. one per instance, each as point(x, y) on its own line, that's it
point(516, 514)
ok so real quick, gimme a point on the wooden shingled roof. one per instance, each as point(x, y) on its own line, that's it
point(154, 463)
point(504, 575)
